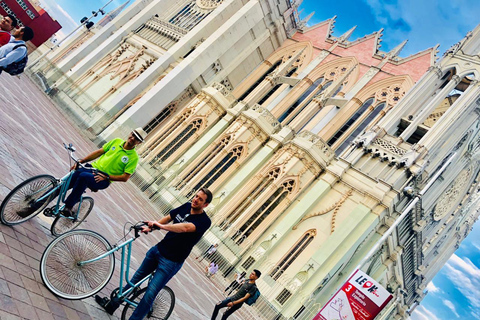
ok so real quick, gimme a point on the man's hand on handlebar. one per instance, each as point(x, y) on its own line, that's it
point(150, 226)
point(75, 166)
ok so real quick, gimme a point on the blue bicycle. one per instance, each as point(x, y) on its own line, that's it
point(80, 263)
point(33, 195)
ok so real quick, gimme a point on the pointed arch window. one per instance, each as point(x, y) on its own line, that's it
point(179, 140)
point(162, 116)
point(361, 127)
point(222, 166)
point(351, 121)
point(270, 70)
point(293, 113)
point(204, 162)
point(300, 100)
point(293, 254)
point(264, 211)
point(275, 88)
point(252, 196)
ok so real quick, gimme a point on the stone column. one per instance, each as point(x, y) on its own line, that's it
point(429, 108)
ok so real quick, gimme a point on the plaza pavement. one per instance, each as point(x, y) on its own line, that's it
point(32, 130)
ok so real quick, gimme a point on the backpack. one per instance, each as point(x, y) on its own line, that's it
point(252, 299)
point(17, 67)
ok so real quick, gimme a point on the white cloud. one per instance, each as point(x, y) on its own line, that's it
point(451, 306)
point(466, 277)
point(425, 23)
point(421, 313)
point(432, 288)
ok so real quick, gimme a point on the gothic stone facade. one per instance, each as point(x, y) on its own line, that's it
point(307, 153)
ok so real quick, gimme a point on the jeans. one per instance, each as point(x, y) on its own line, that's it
point(82, 179)
point(223, 304)
point(164, 271)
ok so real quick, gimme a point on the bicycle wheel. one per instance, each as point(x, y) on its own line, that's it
point(64, 277)
point(162, 306)
point(19, 205)
point(61, 225)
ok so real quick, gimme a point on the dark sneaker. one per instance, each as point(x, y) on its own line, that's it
point(25, 212)
point(66, 212)
point(107, 305)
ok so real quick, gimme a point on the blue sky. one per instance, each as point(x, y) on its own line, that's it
point(455, 291)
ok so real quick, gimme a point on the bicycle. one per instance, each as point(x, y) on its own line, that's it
point(80, 263)
point(33, 195)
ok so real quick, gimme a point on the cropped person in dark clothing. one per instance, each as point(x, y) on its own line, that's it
point(166, 258)
point(236, 301)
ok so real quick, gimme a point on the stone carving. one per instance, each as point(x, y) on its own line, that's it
point(264, 113)
point(395, 150)
point(318, 142)
point(208, 4)
point(335, 207)
point(450, 198)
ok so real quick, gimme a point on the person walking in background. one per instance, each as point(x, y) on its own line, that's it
point(235, 284)
point(208, 253)
point(7, 24)
point(235, 302)
point(211, 269)
point(13, 55)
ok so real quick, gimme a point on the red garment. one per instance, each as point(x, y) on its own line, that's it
point(4, 38)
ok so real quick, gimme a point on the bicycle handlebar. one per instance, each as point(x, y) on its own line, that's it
point(138, 227)
point(71, 150)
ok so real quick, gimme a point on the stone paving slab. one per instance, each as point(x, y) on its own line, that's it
point(32, 130)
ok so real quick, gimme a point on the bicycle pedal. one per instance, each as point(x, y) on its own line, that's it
point(48, 212)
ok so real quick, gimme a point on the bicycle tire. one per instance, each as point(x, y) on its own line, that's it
point(162, 306)
point(23, 194)
point(61, 274)
point(62, 225)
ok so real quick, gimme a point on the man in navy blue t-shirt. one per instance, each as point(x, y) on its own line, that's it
point(166, 258)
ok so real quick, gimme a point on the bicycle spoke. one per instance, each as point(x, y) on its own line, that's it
point(61, 272)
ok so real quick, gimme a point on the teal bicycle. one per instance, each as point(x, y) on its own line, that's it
point(80, 263)
point(33, 195)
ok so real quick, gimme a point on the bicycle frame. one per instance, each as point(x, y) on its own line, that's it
point(126, 248)
point(63, 186)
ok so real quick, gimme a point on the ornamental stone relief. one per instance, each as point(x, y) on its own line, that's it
point(450, 198)
point(208, 4)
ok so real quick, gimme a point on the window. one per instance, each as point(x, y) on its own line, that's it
point(270, 70)
point(351, 121)
point(300, 100)
point(160, 117)
point(283, 296)
point(219, 169)
point(248, 263)
point(361, 127)
point(264, 211)
point(293, 254)
point(179, 140)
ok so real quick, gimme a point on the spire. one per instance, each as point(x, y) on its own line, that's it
point(331, 25)
point(303, 23)
point(112, 14)
point(378, 36)
point(396, 51)
point(346, 35)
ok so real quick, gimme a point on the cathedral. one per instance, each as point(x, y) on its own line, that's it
point(312, 144)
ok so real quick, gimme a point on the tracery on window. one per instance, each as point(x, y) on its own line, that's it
point(176, 143)
point(264, 211)
point(293, 254)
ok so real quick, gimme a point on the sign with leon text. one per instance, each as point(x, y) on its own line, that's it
point(360, 298)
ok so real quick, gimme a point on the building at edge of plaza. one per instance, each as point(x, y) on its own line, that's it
point(31, 14)
point(308, 141)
